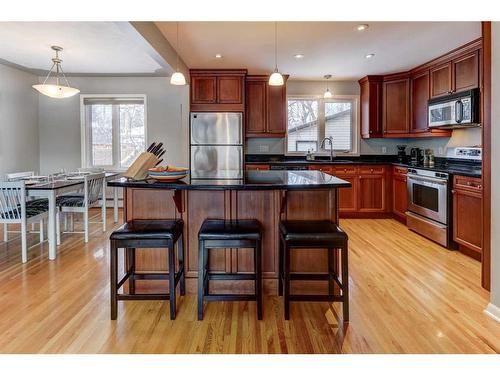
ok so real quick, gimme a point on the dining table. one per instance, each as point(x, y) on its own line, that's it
point(50, 191)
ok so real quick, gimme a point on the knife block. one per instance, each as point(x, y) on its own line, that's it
point(139, 168)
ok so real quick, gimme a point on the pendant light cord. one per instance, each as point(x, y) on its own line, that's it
point(177, 45)
point(275, 46)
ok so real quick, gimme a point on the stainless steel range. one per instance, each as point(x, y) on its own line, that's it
point(429, 204)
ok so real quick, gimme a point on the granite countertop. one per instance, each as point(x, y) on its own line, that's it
point(444, 165)
point(254, 180)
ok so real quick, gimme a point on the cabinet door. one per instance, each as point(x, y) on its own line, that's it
point(400, 196)
point(466, 72)
point(441, 80)
point(467, 219)
point(276, 110)
point(229, 90)
point(203, 90)
point(371, 193)
point(256, 98)
point(396, 107)
point(370, 98)
point(419, 99)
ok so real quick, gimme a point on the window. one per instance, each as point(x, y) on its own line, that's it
point(311, 119)
point(114, 130)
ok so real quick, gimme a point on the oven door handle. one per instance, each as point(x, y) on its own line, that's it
point(427, 179)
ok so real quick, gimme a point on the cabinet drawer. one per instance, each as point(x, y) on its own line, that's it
point(402, 171)
point(467, 183)
point(257, 167)
point(345, 170)
point(321, 168)
point(371, 169)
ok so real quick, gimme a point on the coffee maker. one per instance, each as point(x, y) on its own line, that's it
point(401, 153)
point(416, 156)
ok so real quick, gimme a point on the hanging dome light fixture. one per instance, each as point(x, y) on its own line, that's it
point(276, 79)
point(328, 94)
point(177, 78)
point(58, 90)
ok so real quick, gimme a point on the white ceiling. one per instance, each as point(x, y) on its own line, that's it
point(335, 48)
point(89, 47)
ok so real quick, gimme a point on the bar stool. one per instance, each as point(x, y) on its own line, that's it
point(138, 234)
point(234, 234)
point(300, 234)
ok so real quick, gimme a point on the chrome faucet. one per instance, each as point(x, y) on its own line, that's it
point(332, 153)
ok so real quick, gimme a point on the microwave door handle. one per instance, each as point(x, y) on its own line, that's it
point(459, 111)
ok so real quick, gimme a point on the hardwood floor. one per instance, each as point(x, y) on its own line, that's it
point(408, 295)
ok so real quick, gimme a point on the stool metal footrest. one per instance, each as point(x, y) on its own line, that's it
point(142, 297)
point(230, 297)
point(231, 276)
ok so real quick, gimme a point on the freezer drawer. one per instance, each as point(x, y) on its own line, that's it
point(217, 162)
point(216, 128)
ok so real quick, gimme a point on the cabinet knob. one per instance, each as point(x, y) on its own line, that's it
point(345, 169)
point(469, 183)
point(453, 192)
point(479, 186)
point(371, 170)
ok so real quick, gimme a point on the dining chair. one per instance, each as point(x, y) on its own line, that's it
point(16, 176)
point(15, 209)
point(93, 189)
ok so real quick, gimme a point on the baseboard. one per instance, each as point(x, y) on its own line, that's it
point(493, 312)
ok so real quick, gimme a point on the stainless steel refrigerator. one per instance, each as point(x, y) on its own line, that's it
point(216, 145)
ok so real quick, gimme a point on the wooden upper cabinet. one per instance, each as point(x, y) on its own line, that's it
point(370, 102)
point(276, 110)
point(229, 90)
point(256, 106)
point(441, 80)
point(203, 90)
point(419, 99)
point(265, 108)
point(396, 106)
point(466, 72)
point(218, 90)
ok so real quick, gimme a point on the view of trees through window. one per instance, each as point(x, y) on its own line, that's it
point(117, 134)
point(310, 120)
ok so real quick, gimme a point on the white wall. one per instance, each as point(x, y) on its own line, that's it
point(495, 167)
point(59, 119)
point(18, 121)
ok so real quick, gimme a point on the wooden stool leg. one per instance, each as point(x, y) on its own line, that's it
point(201, 277)
point(171, 279)
point(130, 254)
point(331, 272)
point(180, 249)
point(258, 278)
point(113, 280)
point(345, 283)
point(280, 272)
point(286, 265)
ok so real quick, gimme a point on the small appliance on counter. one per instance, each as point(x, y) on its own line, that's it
point(429, 157)
point(416, 156)
point(401, 153)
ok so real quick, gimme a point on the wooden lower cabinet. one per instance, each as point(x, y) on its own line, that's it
point(399, 193)
point(467, 215)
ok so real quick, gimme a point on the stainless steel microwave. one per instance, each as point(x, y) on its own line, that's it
point(455, 111)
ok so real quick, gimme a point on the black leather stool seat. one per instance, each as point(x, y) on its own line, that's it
point(312, 231)
point(148, 230)
point(230, 229)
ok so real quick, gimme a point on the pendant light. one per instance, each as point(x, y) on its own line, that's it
point(276, 79)
point(58, 90)
point(328, 94)
point(177, 78)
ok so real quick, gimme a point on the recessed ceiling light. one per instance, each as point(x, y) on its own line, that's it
point(298, 56)
point(218, 56)
point(362, 27)
point(370, 55)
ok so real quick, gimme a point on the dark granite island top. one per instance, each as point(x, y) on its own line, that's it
point(253, 180)
point(267, 196)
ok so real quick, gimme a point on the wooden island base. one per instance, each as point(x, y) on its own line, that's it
point(267, 206)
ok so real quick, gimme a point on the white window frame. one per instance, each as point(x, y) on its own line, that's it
point(85, 130)
point(322, 123)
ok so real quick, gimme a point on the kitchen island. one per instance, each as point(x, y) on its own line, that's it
point(268, 196)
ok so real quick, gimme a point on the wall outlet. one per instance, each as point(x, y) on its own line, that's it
point(384, 150)
point(263, 148)
point(441, 151)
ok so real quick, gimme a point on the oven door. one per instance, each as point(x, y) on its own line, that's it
point(427, 196)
